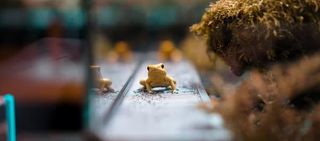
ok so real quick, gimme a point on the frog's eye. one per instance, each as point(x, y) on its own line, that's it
point(148, 68)
point(162, 66)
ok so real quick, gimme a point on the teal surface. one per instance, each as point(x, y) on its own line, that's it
point(10, 117)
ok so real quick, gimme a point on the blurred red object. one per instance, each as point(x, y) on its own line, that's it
point(34, 75)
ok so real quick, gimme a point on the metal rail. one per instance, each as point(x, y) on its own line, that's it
point(137, 115)
point(122, 93)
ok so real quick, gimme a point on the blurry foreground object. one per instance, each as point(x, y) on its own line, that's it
point(47, 79)
point(7, 123)
point(280, 104)
point(254, 33)
point(101, 83)
point(169, 52)
point(279, 42)
point(51, 69)
point(121, 52)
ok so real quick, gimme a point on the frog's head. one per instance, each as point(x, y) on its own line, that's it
point(156, 70)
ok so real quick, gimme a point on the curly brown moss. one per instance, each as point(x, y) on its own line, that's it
point(275, 15)
point(254, 33)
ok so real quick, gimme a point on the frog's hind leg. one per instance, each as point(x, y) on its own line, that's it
point(173, 85)
point(171, 79)
point(145, 85)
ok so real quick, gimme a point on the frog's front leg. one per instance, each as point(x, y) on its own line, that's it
point(173, 85)
point(143, 83)
point(146, 85)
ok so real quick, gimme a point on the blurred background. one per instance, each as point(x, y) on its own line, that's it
point(48, 46)
point(45, 49)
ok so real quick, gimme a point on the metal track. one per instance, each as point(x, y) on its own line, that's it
point(122, 93)
point(137, 115)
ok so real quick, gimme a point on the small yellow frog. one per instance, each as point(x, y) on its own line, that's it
point(157, 77)
point(100, 82)
point(169, 52)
